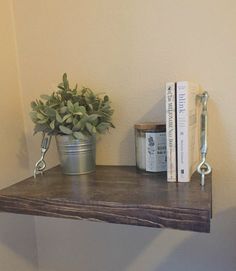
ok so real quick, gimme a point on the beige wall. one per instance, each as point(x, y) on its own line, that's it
point(13, 154)
point(130, 49)
point(17, 234)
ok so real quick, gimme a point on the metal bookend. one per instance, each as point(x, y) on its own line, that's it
point(203, 167)
point(41, 164)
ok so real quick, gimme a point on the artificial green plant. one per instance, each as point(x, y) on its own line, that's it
point(71, 112)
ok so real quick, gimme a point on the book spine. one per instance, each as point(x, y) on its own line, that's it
point(171, 132)
point(182, 132)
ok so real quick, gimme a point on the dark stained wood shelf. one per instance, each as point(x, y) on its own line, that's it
point(115, 194)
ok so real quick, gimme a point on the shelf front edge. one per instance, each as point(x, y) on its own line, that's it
point(148, 216)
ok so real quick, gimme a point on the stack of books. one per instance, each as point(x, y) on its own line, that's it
point(182, 130)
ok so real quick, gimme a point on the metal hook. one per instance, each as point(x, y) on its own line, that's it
point(203, 167)
point(41, 164)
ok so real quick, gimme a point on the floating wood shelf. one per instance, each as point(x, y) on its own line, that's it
point(115, 194)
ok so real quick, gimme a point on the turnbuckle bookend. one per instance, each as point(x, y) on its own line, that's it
point(203, 167)
point(41, 164)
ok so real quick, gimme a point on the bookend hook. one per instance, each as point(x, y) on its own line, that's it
point(203, 167)
point(41, 164)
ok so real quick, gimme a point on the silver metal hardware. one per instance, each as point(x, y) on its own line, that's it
point(203, 167)
point(41, 164)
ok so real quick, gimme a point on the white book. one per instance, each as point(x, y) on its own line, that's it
point(187, 129)
point(171, 132)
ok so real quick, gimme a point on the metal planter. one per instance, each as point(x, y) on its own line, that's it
point(76, 156)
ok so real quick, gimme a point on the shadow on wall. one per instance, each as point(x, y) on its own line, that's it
point(22, 153)
point(89, 246)
point(219, 144)
point(70, 245)
point(155, 114)
point(193, 251)
point(18, 250)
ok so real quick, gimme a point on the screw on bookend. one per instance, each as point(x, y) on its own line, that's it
point(41, 164)
point(203, 167)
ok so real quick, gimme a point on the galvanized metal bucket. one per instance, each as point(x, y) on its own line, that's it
point(76, 156)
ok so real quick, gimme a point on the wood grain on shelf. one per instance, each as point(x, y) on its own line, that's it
point(115, 194)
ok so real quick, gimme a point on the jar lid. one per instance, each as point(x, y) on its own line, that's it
point(153, 126)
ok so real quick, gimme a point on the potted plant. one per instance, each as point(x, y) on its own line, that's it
point(74, 118)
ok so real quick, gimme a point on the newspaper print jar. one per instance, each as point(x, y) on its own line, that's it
point(150, 146)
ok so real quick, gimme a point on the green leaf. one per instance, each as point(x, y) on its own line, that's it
point(106, 105)
point(58, 118)
point(52, 125)
point(70, 106)
point(75, 121)
point(78, 113)
point(79, 126)
point(61, 86)
point(50, 112)
point(94, 130)
point(41, 128)
point(83, 121)
point(93, 117)
point(33, 105)
point(42, 121)
point(79, 135)
point(65, 81)
point(76, 107)
point(102, 127)
point(42, 112)
point(55, 104)
point(106, 98)
point(45, 97)
point(81, 110)
point(33, 116)
point(40, 116)
point(66, 117)
point(65, 130)
point(75, 88)
point(63, 109)
point(69, 120)
point(90, 128)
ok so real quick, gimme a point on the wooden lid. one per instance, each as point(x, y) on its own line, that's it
point(154, 126)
